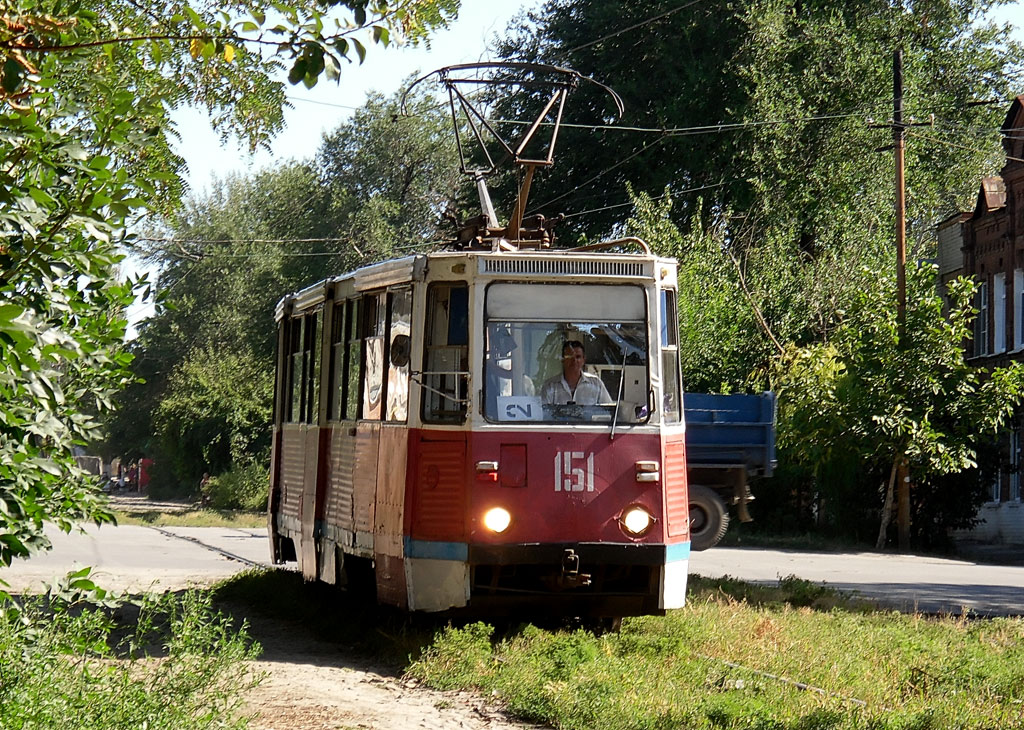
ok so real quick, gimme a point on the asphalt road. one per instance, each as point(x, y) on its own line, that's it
point(133, 558)
point(136, 558)
point(904, 582)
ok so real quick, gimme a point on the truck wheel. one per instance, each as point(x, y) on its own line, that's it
point(708, 518)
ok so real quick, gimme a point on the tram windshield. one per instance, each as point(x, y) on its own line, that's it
point(560, 353)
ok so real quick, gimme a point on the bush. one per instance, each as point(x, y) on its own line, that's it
point(62, 667)
point(244, 487)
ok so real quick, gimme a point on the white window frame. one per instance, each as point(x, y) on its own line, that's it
point(1018, 309)
point(1015, 463)
point(981, 323)
point(999, 313)
point(997, 486)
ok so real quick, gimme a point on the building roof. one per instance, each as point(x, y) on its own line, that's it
point(1010, 123)
point(1013, 129)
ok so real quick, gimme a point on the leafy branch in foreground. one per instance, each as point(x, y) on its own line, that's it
point(86, 89)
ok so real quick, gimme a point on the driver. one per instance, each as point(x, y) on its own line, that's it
point(574, 385)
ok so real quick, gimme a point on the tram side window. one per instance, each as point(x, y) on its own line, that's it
point(399, 352)
point(340, 393)
point(354, 362)
point(446, 358)
point(672, 395)
point(374, 321)
point(303, 370)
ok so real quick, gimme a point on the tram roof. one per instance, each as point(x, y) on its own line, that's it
point(559, 262)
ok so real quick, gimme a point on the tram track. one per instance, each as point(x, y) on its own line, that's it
point(213, 548)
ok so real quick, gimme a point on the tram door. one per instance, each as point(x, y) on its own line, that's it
point(300, 436)
point(440, 470)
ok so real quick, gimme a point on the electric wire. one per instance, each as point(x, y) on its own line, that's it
point(664, 133)
point(659, 197)
point(618, 164)
point(929, 138)
point(632, 27)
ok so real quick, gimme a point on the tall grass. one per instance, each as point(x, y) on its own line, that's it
point(795, 658)
point(176, 665)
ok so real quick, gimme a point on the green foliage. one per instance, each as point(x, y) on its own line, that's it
point(85, 93)
point(867, 396)
point(65, 663)
point(244, 487)
point(375, 189)
point(460, 655)
point(745, 656)
point(215, 412)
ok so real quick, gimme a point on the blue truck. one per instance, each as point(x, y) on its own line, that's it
point(729, 439)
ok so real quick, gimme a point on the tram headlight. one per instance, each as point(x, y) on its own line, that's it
point(497, 519)
point(636, 521)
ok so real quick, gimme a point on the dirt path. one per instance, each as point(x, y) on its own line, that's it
point(314, 686)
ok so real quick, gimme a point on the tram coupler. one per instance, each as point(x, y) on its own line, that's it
point(571, 576)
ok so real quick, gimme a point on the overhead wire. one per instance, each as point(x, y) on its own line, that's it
point(630, 28)
point(919, 135)
point(671, 194)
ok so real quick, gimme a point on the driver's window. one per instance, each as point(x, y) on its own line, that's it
point(444, 384)
point(560, 353)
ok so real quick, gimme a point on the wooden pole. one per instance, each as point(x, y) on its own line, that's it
point(899, 143)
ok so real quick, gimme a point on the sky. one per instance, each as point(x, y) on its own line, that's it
point(320, 109)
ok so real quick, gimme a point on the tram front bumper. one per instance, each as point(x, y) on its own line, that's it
point(601, 579)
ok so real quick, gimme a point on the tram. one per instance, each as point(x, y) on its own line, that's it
point(414, 432)
point(493, 429)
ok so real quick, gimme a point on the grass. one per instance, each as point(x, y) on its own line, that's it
point(192, 518)
point(387, 636)
point(173, 665)
point(797, 656)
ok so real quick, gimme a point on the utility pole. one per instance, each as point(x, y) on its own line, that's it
point(899, 139)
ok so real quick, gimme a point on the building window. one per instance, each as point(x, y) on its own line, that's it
point(981, 346)
point(1015, 464)
point(1018, 309)
point(999, 312)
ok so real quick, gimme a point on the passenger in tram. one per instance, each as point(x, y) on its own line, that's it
point(574, 385)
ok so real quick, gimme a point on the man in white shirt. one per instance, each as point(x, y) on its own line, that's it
point(574, 385)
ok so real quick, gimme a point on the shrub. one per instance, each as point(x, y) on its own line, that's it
point(243, 487)
point(62, 666)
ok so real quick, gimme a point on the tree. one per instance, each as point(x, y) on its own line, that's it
point(867, 397)
point(85, 90)
point(376, 188)
point(752, 119)
point(759, 108)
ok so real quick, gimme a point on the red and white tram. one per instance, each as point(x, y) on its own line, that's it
point(425, 428)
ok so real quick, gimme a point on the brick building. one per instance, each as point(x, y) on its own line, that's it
point(989, 244)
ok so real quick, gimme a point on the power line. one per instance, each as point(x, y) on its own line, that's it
point(958, 146)
point(241, 240)
point(675, 194)
point(686, 131)
point(632, 27)
point(603, 172)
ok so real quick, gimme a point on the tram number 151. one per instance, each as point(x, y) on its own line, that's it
point(574, 471)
